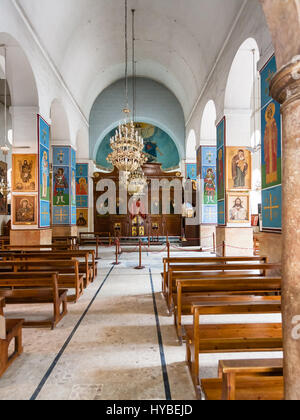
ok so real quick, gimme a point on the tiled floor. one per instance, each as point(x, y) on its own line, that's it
point(114, 352)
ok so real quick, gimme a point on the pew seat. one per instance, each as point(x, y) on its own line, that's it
point(246, 380)
point(13, 332)
point(35, 288)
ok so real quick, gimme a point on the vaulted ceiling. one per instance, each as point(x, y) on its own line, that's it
point(178, 42)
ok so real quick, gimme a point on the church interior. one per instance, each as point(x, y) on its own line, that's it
point(149, 200)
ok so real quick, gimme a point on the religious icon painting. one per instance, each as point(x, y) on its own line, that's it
point(272, 208)
point(239, 168)
point(44, 172)
point(82, 218)
point(3, 180)
point(208, 156)
point(221, 213)
point(24, 173)
point(238, 208)
point(61, 196)
point(61, 215)
point(220, 158)
point(209, 179)
point(61, 156)
point(82, 170)
point(271, 145)
point(221, 173)
point(191, 171)
point(24, 210)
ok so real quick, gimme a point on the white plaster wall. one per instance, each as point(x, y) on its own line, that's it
point(48, 81)
point(251, 24)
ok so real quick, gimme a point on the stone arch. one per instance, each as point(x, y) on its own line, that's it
point(60, 128)
point(191, 145)
point(208, 134)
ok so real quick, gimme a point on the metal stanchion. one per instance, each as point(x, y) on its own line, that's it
point(223, 249)
point(140, 266)
point(168, 249)
point(214, 244)
point(117, 252)
point(97, 248)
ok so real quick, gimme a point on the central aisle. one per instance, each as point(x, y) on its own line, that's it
point(108, 345)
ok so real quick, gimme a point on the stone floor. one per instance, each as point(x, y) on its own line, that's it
point(107, 347)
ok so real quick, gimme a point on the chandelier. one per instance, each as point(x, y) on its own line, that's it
point(127, 145)
point(137, 183)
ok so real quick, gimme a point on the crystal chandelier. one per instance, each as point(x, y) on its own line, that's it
point(127, 145)
point(137, 183)
point(136, 180)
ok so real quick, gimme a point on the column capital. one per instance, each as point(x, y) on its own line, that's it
point(285, 85)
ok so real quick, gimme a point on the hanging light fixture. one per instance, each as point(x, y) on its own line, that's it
point(136, 180)
point(127, 145)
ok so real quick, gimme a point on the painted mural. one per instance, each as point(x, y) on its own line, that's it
point(209, 185)
point(64, 185)
point(220, 159)
point(3, 180)
point(271, 153)
point(24, 210)
point(158, 146)
point(24, 175)
point(239, 168)
point(191, 171)
point(44, 172)
point(82, 194)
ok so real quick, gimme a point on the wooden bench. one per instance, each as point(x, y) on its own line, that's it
point(53, 247)
point(246, 380)
point(230, 338)
point(13, 331)
point(68, 278)
point(190, 292)
point(87, 268)
point(35, 288)
point(68, 241)
point(202, 260)
point(190, 272)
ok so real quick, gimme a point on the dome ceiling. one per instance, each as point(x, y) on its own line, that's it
point(178, 42)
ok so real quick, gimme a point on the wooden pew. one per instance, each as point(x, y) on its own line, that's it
point(201, 260)
point(53, 247)
point(86, 268)
point(246, 380)
point(190, 292)
point(191, 272)
point(35, 288)
point(90, 260)
point(230, 338)
point(13, 331)
point(69, 276)
point(68, 241)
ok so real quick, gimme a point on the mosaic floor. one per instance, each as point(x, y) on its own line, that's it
point(111, 345)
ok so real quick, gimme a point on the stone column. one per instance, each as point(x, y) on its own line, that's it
point(285, 89)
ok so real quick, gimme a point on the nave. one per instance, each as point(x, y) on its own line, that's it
point(107, 347)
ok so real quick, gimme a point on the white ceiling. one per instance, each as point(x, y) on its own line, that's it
point(178, 42)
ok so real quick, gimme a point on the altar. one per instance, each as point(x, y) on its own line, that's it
point(142, 223)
